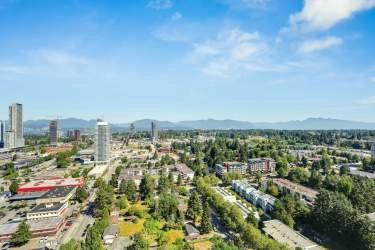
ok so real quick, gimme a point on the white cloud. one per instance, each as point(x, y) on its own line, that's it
point(227, 49)
point(59, 57)
point(176, 16)
point(160, 4)
point(367, 101)
point(313, 45)
point(372, 79)
point(252, 4)
point(323, 14)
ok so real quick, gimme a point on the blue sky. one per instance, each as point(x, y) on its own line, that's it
point(254, 60)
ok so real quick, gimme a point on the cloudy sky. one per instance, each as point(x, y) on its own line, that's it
point(254, 60)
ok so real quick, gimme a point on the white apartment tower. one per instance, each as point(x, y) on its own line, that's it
point(102, 141)
point(16, 124)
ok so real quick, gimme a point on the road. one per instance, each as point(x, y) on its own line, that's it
point(76, 230)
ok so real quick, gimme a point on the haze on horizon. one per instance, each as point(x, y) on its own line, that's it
point(249, 60)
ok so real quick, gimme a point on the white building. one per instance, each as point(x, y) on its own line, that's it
point(16, 124)
point(9, 140)
point(102, 141)
point(254, 196)
point(373, 150)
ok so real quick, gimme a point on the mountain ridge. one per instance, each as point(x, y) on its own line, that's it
point(210, 124)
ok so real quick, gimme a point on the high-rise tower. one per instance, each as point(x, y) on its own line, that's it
point(53, 132)
point(16, 124)
point(102, 141)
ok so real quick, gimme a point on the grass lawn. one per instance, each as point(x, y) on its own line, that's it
point(173, 235)
point(138, 205)
point(202, 245)
point(128, 228)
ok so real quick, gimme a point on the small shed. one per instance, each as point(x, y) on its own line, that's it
point(191, 231)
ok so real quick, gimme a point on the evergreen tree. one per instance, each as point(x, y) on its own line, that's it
point(147, 186)
point(206, 224)
point(128, 188)
point(22, 235)
point(194, 210)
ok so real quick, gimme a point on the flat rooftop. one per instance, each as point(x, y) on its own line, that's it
point(283, 234)
point(58, 192)
point(27, 196)
point(35, 225)
point(47, 184)
point(41, 208)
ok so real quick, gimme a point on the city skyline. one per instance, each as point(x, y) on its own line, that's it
point(175, 60)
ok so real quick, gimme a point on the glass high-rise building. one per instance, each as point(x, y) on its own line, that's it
point(102, 141)
point(16, 124)
point(53, 132)
point(154, 131)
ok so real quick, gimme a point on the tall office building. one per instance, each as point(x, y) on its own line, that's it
point(53, 132)
point(102, 141)
point(154, 131)
point(1, 134)
point(373, 150)
point(77, 135)
point(16, 124)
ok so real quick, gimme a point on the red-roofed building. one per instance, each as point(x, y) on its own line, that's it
point(48, 184)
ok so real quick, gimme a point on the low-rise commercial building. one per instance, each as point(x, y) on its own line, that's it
point(39, 228)
point(47, 210)
point(254, 196)
point(48, 184)
point(285, 235)
point(264, 165)
point(57, 195)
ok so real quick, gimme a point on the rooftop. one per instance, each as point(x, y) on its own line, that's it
point(47, 208)
point(283, 234)
point(110, 230)
point(58, 192)
point(27, 196)
point(363, 174)
point(296, 187)
point(47, 184)
point(35, 225)
point(260, 159)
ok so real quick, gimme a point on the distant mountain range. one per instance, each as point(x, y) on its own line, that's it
point(145, 124)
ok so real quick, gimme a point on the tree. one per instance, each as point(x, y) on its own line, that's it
point(71, 245)
point(194, 210)
point(93, 239)
point(206, 224)
point(315, 179)
point(14, 186)
point(147, 186)
point(179, 180)
point(282, 168)
point(22, 235)
point(122, 202)
point(129, 188)
point(167, 207)
point(81, 194)
point(273, 190)
point(140, 243)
